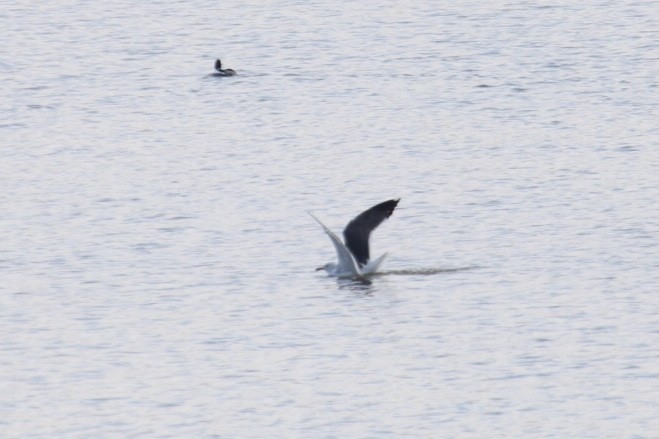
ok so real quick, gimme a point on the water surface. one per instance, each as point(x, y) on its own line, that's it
point(157, 260)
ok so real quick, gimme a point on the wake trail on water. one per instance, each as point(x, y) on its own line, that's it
point(421, 271)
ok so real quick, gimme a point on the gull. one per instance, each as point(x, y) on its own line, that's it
point(354, 254)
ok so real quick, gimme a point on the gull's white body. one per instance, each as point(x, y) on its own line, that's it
point(347, 266)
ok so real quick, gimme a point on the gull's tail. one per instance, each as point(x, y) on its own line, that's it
point(373, 265)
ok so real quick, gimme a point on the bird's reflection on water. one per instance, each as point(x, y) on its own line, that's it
point(361, 284)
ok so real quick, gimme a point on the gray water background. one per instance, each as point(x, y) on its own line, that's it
point(156, 257)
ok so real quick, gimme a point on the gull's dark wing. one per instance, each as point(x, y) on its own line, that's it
point(358, 230)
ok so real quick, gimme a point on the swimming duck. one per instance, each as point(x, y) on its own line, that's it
point(221, 71)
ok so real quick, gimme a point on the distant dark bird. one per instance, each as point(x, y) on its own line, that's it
point(221, 71)
point(354, 254)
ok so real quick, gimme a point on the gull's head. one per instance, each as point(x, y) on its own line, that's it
point(329, 267)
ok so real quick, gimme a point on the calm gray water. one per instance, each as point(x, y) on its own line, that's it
point(157, 259)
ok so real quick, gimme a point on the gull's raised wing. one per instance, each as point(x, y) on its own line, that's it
point(358, 231)
point(346, 264)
